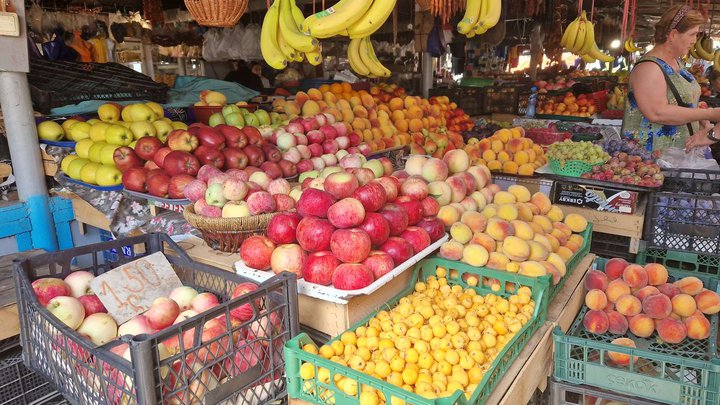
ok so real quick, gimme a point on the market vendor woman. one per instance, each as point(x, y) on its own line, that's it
point(663, 97)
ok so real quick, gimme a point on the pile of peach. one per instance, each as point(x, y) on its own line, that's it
point(517, 232)
point(641, 300)
point(507, 151)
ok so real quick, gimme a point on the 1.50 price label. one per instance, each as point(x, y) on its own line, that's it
point(130, 289)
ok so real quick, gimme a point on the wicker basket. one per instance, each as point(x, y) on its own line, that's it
point(227, 234)
point(217, 13)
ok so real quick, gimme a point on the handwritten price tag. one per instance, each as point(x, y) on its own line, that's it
point(130, 289)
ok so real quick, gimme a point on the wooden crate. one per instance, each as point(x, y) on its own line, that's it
point(49, 164)
point(86, 214)
point(8, 309)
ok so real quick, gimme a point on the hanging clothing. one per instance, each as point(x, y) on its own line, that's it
point(110, 47)
point(655, 136)
point(82, 47)
point(99, 49)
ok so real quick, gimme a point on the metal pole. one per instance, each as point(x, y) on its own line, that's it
point(25, 154)
point(427, 73)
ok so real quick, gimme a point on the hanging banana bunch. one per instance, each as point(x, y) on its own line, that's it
point(480, 16)
point(704, 48)
point(282, 41)
point(363, 61)
point(579, 38)
point(630, 46)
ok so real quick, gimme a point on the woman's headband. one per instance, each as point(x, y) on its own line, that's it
point(678, 17)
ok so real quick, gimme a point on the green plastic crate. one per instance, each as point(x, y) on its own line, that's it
point(573, 262)
point(295, 356)
point(685, 373)
point(697, 263)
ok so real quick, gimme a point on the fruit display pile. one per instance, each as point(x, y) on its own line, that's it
point(617, 98)
point(439, 339)
point(579, 106)
point(559, 83)
point(630, 164)
point(644, 300)
point(507, 151)
point(579, 38)
point(237, 114)
point(580, 151)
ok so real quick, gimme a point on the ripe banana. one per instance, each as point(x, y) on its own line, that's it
point(373, 19)
point(286, 49)
point(373, 56)
point(716, 61)
point(708, 44)
point(693, 53)
point(595, 53)
point(375, 68)
point(589, 35)
point(356, 63)
point(471, 17)
point(336, 19)
point(568, 38)
point(484, 9)
point(290, 31)
point(492, 17)
point(314, 57)
point(702, 52)
point(269, 41)
point(579, 39)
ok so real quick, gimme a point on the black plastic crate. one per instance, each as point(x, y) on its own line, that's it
point(244, 363)
point(608, 245)
point(18, 384)
point(685, 216)
point(572, 394)
point(500, 100)
point(59, 83)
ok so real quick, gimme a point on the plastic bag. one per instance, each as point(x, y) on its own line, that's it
point(210, 42)
point(676, 158)
point(226, 42)
point(251, 43)
point(434, 43)
point(236, 48)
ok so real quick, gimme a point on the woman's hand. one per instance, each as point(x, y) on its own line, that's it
point(700, 139)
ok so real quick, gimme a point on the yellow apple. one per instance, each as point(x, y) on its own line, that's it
point(109, 113)
point(66, 162)
point(88, 172)
point(108, 176)
point(94, 152)
point(75, 166)
point(106, 154)
point(50, 131)
point(142, 128)
point(80, 131)
point(67, 124)
point(156, 108)
point(97, 132)
point(82, 148)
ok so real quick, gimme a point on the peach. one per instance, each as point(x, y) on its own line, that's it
point(576, 222)
point(538, 229)
point(560, 235)
point(310, 108)
point(532, 269)
point(516, 249)
point(554, 242)
point(708, 302)
point(657, 273)
point(469, 204)
point(451, 250)
point(698, 327)
point(635, 276)
point(555, 214)
point(669, 289)
point(499, 229)
point(541, 239)
point(657, 306)
point(497, 261)
point(475, 255)
point(565, 253)
point(628, 305)
point(524, 212)
point(461, 232)
point(551, 269)
point(292, 108)
point(521, 193)
point(367, 100)
point(596, 280)
point(575, 238)
point(564, 228)
point(449, 215)
point(641, 325)
point(615, 267)
point(544, 223)
point(622, 359)
point(440, 191)
point(504, 197)
point(541, 201)
point(646, 292)
point(558, 262)
point(616, 289)
point(573, 246)
point(507, 212)
point(485, 241)
point(490, 211)
point(479, 200)
point(414, 165)
point(690, 285)
point(474, 220)
point(683, 305)
point(458, 188)
point(523, 230)
point(596, 300)
point(671, 330)
point(315, 94)
point(596, 322)
point(538, 252)
point(617, 323)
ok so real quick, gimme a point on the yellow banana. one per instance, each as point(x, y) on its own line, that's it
point(367, 60)
point(570, 34)
point(471, 34)
point(297, 14)
point(627, 46)
point(373, 19)
point(579, 39)
point(493, 14)
point(373, 56)
point(716, 61)
point(633, 46)
point(287, 50)
point(314, 57)
point(693, 53)
point(269, 41)
point(708, 45)
point(589, 35)
point(356, 63)
point(471, 17)
point(484, 9)
point(299, 56)
point(595, 53)
point(290, 31)
point(702, 52)
point(336, 19)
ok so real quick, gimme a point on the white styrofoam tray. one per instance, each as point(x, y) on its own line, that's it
point(331, 294)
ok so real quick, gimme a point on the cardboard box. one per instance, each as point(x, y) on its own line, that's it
point(609, 199)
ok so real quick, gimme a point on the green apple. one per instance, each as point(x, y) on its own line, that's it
point(82, 148)
point(142, 128)
point(75, 166)
point(94, 152)
point(141, 112)
point(50, 131)
point(162, 129)
point(80, 131)
point(263, 117)
point(132, 144)
point(309, 174)
point(156, 108)
point(275, 118)
point(179, 125)
point(252, 120)
point(376, 166)
point(118, 135)
point(106, 154)
point(244, 111)
point(66, 162)
point(109, 113)
point(235, 119)
point(230, 109)
point(97, 132)
point(216, 119)
point(67, 124)
point(88, 172)
point(108, 176)
point(125, 113)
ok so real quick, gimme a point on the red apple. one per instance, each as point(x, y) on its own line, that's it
point(283, 202)
point(315, 137)
point(350, 245)
point(256, 251)
point(206, 172)
point(330, 146)
point(290, 258)
point(376, 227)
point(178, 162)
point(418, 238)
point(354, 138)
point(67, 309)
point(255, 155)
point(391, 188)
point(341, 184)
point(372, 196)
point(319, 267)
point(195, 190)
point(387, 164)
point(235, 158)
point(379, 262)
point(281, 228)
point(314, 202)
point(158, 185)
point(433, 226)
point(210, 156)
point(398, 248)
point(316, 149)
point(183, 296)
point(430, 207)
point(126, 158)
point(234, 137)
point(314, 234)
point(272, 154)
point(150, 165)
point(237, 174)
point(261, 202)
point(253, 135)
point(272, 169)
point(305, 166)
point(397, 218)
point(162, 313)
point(346, 213)
point(244, 312)
point(352, 277)
point(147, 146)
point(182, 140)
point(176, 188)
point(92, 304)
point(288, 168)
point(134, 178)
point(204, 301)
point(363, 174)
point(210, 137)
point(414, 208)
point(414, 187)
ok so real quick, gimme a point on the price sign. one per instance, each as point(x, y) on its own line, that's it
point(130, 289)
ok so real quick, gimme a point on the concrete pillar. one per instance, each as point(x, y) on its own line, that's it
point(427, 74)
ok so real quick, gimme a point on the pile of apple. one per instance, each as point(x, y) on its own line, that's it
point(349, 229)
point(236, 114)
point(72, 302)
